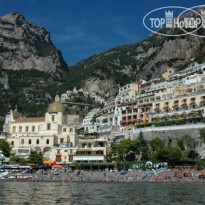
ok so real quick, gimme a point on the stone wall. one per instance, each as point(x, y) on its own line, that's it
point(171, 132)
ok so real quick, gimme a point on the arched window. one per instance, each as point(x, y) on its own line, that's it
point(29, 141)
point(22, 141)
point(47, 141)
point(37, 141)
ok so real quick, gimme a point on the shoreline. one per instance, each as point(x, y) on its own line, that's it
point(109, 182)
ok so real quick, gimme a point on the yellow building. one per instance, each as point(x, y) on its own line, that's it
point(91, 151)
point(61, 155)
point(129, 90)
point(187, 106)
point(41, 133)
point(168, 73)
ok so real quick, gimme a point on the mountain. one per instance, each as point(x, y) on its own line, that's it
point(148, 59)
point(32, 70)
point(24, 45)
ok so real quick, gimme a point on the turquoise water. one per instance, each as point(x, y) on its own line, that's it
point(100, 193)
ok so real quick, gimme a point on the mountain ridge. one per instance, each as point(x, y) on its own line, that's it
point(24, 45)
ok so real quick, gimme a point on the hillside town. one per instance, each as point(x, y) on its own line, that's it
point(174, 101)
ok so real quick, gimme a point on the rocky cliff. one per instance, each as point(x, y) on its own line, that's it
point(144, 60)
point(24, 45)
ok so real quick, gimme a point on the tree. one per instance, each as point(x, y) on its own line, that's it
point(144, 150)
point(185, 142)
point(18, 160)
point(36, 157)
point(5, 148)
point(142, 141)
point(130, 157)
point(126, 149)
point(168, 154)
point(192, 154)
point(156, 144)
point(145, 153)
point(202, 134)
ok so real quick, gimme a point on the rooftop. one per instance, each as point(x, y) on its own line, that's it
point(32, 119)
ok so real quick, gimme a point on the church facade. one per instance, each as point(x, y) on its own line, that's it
point(41, 133)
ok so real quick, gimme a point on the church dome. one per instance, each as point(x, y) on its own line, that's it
point(56, 106)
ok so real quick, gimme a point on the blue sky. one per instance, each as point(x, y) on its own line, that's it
point(81, 28)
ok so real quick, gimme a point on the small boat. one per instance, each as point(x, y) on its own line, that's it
point(3, 175)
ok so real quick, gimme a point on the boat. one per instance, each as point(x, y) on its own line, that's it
point(3, 175)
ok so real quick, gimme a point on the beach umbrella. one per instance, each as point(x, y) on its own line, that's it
point(56, 166)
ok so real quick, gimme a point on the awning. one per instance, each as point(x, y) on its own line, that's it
point(56, 166)
point(49, 162)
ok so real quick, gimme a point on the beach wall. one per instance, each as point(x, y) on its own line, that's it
point(171, 132)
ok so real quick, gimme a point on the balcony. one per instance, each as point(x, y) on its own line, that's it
point(175, 106)
point(157, 109)
point(130, 114)
point(145, 95)
point(202, 103)
point(145, 103)
point(180, 112)
point(192, 104)
point(166, 107)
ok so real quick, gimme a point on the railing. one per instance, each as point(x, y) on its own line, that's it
point(167, 128)
point(129, 114)
point(88, 155)
point(145, 103)
point(178, 111)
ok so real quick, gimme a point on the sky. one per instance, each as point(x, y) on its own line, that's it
point(82, 28)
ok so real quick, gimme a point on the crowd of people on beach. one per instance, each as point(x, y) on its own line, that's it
point(123, 176)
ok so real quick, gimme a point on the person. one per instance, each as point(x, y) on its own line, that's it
point(104, 174)
point(36, 178)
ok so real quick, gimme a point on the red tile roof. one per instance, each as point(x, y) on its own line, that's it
point(32, 119)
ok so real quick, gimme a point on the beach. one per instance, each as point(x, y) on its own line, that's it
point(168, 176)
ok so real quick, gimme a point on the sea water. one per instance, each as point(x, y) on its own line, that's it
point(101, 193)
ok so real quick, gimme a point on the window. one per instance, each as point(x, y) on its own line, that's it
point(20, 129)
point(64, 129)
point(65, 150)
point(61, 140)
point(29, 141)
point(14, 129)
point(47, 141)
point(33, 128)
point(26, 129)
point(89, 145)
point(22, 141)
point(12, 143)
point(71, 129)
point(48, 126)
point(71, 151)
point(37, 141)
point(53, 117)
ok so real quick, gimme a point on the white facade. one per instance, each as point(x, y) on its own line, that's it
point(89, 159)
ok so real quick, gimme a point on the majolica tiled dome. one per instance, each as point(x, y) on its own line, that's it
point(56, 106)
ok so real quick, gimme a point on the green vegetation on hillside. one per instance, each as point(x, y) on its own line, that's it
point(155, 150)
point(31, 90)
